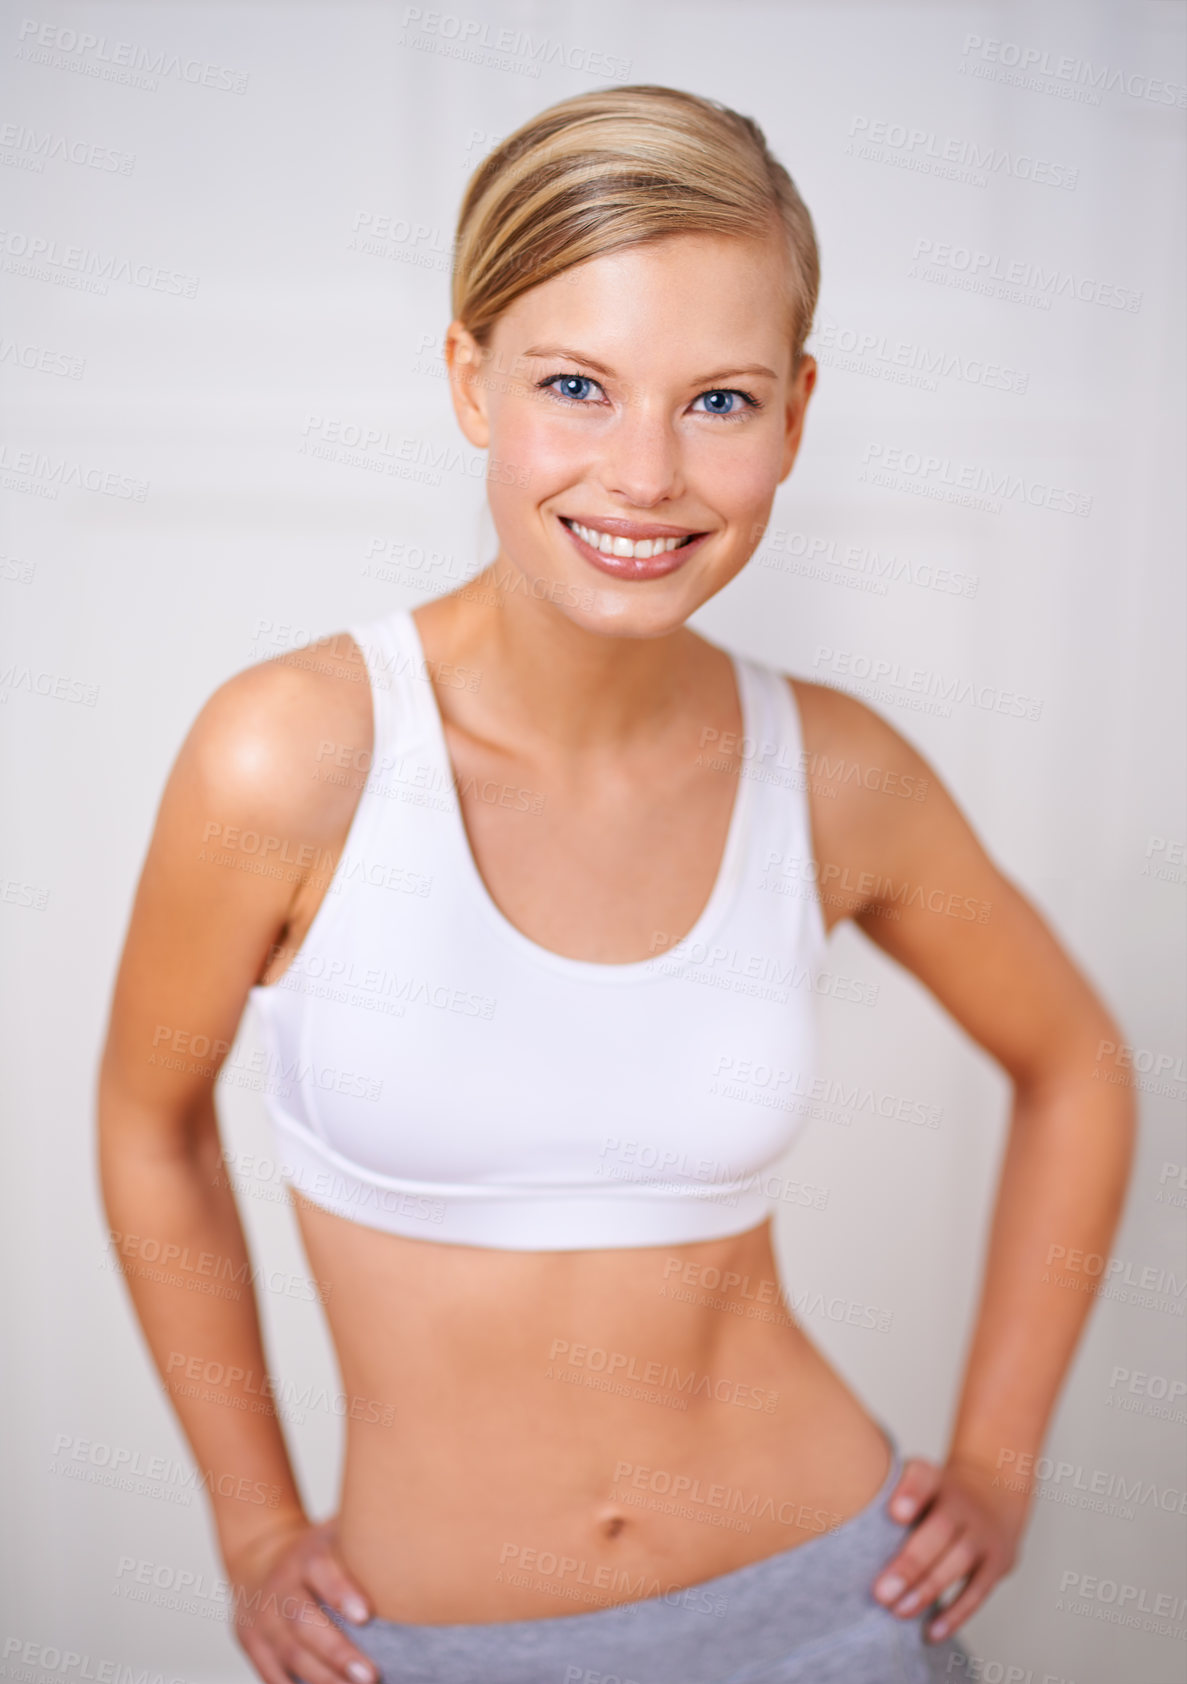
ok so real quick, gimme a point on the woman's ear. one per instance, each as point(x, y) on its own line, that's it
point(802, 385)
point(464, 358)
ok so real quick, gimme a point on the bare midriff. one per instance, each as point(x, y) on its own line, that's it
point(533, 1434)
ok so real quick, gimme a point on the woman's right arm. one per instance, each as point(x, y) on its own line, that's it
point(199, 936)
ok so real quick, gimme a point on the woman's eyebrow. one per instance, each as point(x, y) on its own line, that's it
point(592, 362)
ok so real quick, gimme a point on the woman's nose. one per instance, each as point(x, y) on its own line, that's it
point(641, 460)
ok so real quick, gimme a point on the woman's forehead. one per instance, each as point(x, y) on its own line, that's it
point(701, 291)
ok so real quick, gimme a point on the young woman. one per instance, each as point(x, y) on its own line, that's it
point(544, 903)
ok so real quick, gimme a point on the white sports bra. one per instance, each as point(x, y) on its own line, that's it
point(433, 1072)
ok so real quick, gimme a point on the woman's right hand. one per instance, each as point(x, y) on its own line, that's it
point(276, 1582)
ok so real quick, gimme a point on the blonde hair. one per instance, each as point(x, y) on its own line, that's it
point(619, 167)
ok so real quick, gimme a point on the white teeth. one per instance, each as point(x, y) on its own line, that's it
point(622, 546)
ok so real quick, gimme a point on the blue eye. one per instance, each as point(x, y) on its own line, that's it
point(720, 392)
point(567, 382)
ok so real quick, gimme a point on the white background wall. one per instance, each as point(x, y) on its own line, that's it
point(254, 176)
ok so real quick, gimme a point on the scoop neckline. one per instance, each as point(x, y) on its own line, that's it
point(592, 970)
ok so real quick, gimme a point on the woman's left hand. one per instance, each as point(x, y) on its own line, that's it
point(965, 1525)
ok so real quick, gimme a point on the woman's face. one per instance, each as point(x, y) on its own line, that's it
point(644, 395)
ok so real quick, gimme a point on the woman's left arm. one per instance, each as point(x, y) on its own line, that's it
point(939, 905)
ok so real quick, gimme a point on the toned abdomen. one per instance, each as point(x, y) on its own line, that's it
point(532, 1434)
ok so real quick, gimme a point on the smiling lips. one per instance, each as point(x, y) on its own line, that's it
point(630, 549)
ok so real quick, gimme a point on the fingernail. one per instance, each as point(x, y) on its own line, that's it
point(939, 1629)
point(902, 1505)
point(889, 1587)
point(355, 1609)
point(356, 1669)
point(909, 1603)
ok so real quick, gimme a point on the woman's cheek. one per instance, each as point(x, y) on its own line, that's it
point(510, 508)
point(514, 498)
point(739, 482)
point(527, 438)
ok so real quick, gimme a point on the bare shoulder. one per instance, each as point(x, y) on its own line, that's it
point(245, 821)
point(263, 747)
point(833, 719)
point(886, 827)
point(867, 782)
point(896, 854)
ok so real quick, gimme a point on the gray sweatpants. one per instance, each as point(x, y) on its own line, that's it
point(804, 1616)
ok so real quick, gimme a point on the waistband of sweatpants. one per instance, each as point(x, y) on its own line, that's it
point(821, 1587)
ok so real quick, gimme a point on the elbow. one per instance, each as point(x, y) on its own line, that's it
point(1118, 1064)
point(1094, 1057)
